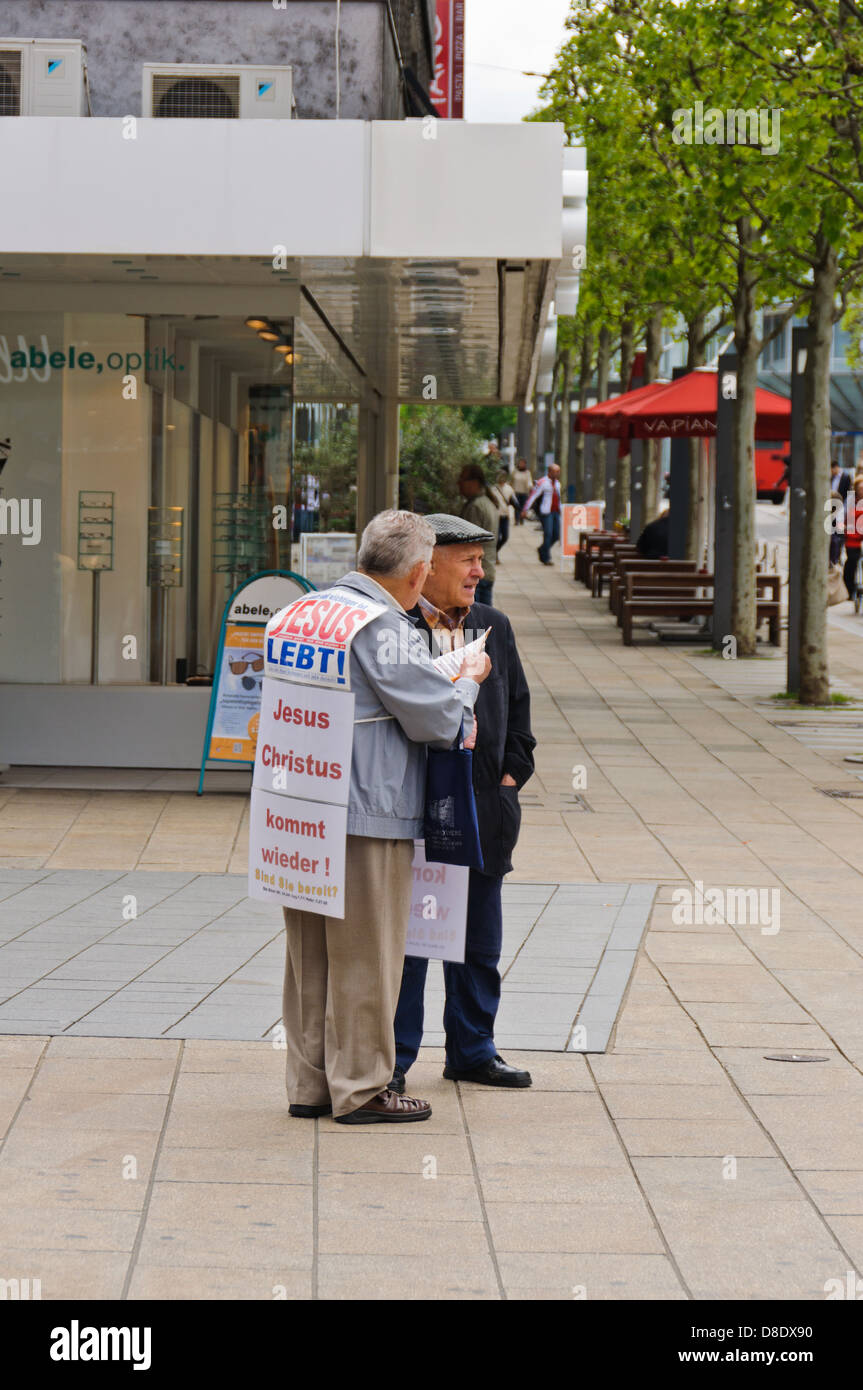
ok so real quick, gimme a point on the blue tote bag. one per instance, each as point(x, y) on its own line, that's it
point(450, 826)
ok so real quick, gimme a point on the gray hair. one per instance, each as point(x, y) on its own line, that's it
point(393, 542)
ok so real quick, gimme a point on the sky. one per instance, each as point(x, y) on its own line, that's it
point(503, 38)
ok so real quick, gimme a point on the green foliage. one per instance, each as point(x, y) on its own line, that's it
point(489, 421)
point(436, 443)
point(333, 461)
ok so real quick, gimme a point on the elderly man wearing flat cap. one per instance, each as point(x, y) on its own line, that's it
point(448, 617)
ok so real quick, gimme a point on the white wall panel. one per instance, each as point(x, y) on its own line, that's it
point(182, 187)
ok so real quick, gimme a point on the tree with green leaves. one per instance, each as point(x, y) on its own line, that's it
point(436, 443)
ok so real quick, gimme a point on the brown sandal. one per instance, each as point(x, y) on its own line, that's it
point(386, 1108)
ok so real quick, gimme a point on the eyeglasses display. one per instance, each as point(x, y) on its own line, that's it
point(165, 547)
point(96, 547)
point(242, 527)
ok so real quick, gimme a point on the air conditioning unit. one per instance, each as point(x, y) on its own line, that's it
point(233, 92)
point(43, 77)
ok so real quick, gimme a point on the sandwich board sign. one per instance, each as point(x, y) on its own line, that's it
point(235, 701)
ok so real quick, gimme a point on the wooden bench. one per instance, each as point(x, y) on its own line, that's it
point(607, 565)
point(636, 565)
point(673, 605)
point(599, 548)
point(581, 555)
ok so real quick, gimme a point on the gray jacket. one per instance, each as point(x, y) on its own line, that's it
point(391, 674)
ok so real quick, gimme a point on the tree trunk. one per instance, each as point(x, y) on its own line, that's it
point(695, 357)
point(585, 365)
point(564, 435)
point(814, 677)
point(743, 498)
point(603, 366)
point(652, 447)
point(624, 469)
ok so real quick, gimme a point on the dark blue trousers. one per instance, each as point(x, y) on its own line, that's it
point(550, 533)
point(472, 989)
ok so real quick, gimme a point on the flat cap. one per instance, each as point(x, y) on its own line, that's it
point(454, 530)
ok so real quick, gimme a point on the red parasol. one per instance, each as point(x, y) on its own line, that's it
point(598, 419)
point(683, 408)
point(687, 408)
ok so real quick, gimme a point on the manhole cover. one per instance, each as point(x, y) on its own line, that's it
point(792, 1057)
point(841, 794)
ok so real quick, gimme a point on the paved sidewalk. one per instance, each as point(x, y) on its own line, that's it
point(191, 956)
point(681, 1164)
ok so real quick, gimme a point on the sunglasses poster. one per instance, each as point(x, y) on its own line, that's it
point(238, 701)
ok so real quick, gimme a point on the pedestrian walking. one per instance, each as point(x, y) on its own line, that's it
point(840, 479)
point(481, 507)
point(448, 616)
point(853, 535)
point(546, 491)
point(503, 489)
point(522, 483)
point(837, 535)
point(342, 975)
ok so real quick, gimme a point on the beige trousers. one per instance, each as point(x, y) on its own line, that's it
point(342, 981)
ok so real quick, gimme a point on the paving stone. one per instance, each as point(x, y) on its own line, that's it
point(748, 1178)
point(592, 1277)
point(824, 1133)
point(680, 1102)
point(179, 1284)
point(621, 1228)
point(68, 1274)
point(398, 1277)
point(62, 1227)
point(686, 1138)
point(216, 1225)
point(834, 1192)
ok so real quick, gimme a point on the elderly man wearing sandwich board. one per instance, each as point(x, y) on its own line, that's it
point(343, 973)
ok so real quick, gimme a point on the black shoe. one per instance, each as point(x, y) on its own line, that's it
point(309, 1112)
point(398, 1082)
point(494, 1072)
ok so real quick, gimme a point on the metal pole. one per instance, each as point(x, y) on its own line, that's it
point(723, 543)
point(680, 484)
point(611, 447)
point(797, 502)
point(589, 446)
point(163, 623)
point(637, 518)
point(636, 487)
point(94, 636)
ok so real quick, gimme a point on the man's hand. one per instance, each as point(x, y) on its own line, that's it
point(476, 667)
point(507, 781)
point(470, 741)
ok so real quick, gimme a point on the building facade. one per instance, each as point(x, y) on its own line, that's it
point(204, 320)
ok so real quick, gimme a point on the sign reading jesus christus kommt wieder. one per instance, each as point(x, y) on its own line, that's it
point(298, 819)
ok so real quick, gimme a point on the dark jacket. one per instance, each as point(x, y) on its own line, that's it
point(504, 742)
point(652, 544)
